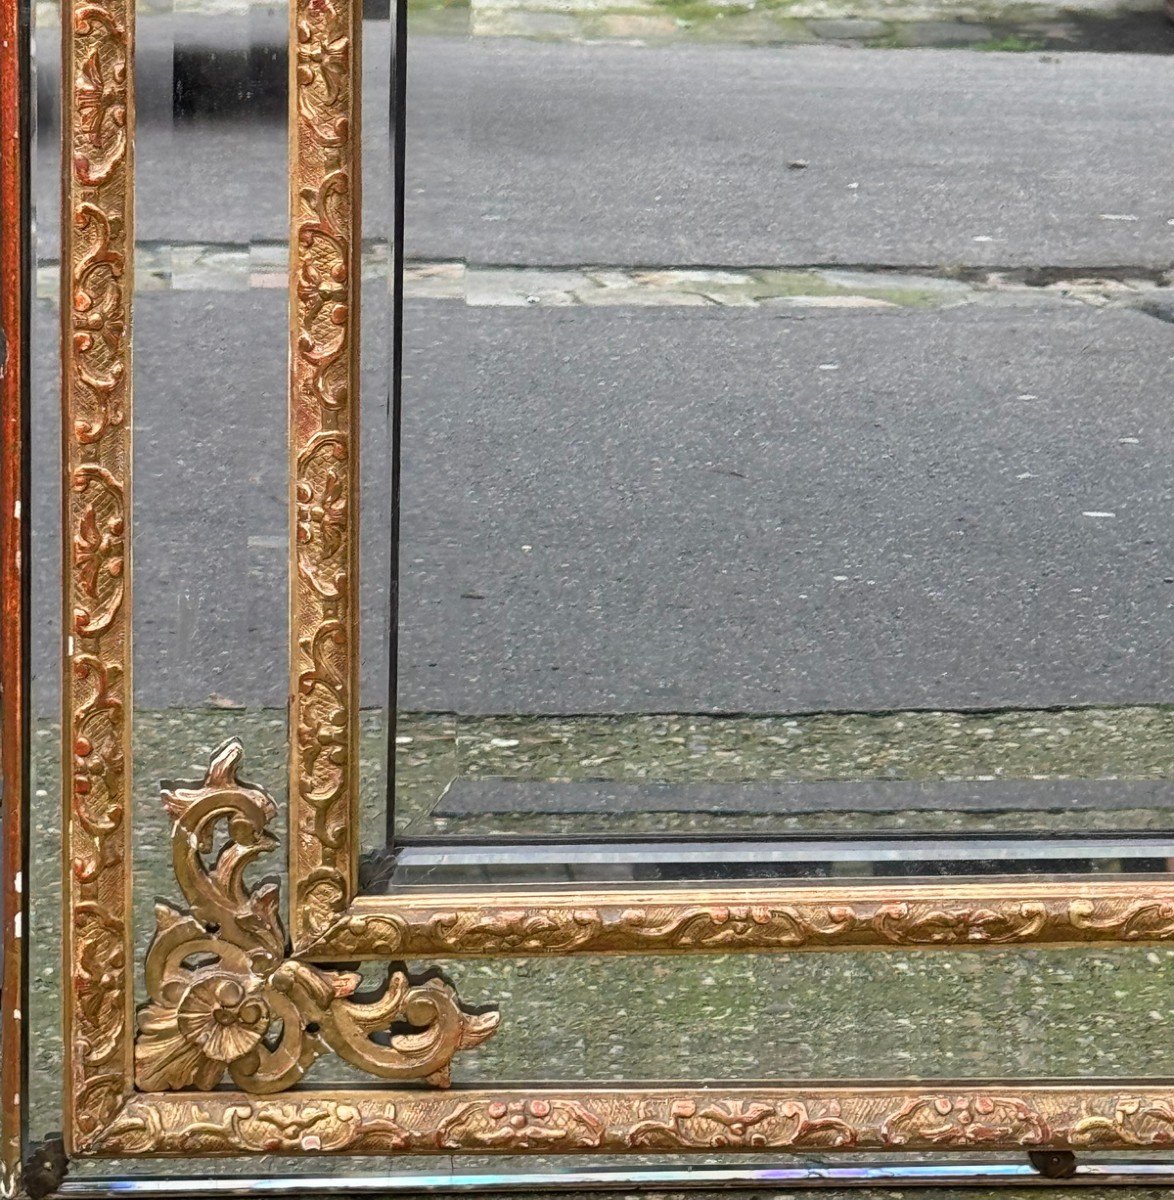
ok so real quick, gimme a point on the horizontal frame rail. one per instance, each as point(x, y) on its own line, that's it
point(686, 1118)
point(715, 918)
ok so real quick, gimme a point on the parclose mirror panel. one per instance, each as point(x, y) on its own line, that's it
point(46, 995)
point(211, 489)
point(782, 446)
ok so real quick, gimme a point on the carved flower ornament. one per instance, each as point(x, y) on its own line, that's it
point(224, 998)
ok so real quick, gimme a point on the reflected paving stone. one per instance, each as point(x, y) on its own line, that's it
point(517, 153)
point(981, 752)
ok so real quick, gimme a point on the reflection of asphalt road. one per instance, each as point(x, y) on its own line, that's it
point(611, 509)
point(614, 154)
point(622, 509)
point(533, 153)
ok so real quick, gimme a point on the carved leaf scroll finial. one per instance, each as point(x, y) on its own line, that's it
point(224, 997)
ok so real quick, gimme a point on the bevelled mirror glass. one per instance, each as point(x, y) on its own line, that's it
point(782, 483)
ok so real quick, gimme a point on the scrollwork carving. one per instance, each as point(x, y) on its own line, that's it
point(99, 557)
point(632, 1119)
point(97, 286)
point(1148, 919)
point(744, 1125)
point(904, 925)
point(522, 1123)
point(1144, 1121)
point(324, 302)
point(786, 917)
point(725, 926)
point(224, 998)
point(517, 931)
point(967, 1120)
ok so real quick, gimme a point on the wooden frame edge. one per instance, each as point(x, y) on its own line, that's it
point(675, 1119)
point(15, 300)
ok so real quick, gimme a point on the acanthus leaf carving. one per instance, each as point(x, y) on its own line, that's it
point(745, 1125)
point(324, 301)
point(522, 1123)
point(978, 1120)
point(224, 998)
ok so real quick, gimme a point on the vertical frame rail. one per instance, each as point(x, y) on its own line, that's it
point(324, 275)
point(97, 272)
point(15, 275)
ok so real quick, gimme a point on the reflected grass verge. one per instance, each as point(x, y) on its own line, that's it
point(1098, 743)
point(1007, 26)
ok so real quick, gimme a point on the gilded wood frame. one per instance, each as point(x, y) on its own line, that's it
point(222, 971)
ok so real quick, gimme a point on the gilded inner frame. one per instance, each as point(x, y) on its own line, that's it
point(200, 1070)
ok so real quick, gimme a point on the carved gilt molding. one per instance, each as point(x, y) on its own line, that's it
point(226, 1000)
point(652, 1119)
point(323, 423)
point(849, 916)
point(96, 284)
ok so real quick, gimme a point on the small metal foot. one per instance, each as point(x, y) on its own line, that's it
point(46, 1167)
point(1053, 1164)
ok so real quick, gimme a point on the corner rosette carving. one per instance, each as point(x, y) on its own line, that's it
point(226, 1000)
